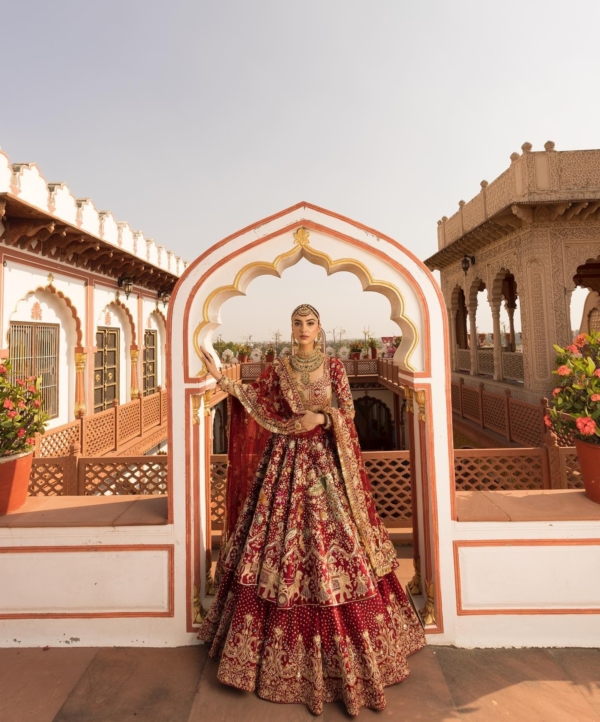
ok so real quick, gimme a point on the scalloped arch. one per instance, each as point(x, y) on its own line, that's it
point(117, 302)
point(256, 268)
point(70, 305)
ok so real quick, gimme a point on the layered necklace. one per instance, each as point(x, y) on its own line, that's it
point(306, 364)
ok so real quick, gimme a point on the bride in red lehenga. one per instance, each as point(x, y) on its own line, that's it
point(308, 608)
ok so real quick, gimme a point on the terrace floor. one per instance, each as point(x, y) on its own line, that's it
point(180, 685)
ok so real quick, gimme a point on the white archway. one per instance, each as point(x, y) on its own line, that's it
point(381, 264)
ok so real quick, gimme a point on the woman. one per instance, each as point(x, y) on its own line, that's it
point(308, 607)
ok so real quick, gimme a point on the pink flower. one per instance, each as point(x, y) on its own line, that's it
point(595, 397)
point(597, 373)
point(21, 433)
point(11, 414)
point(556, 391)
point(580, 340)
point(37, 403)
point(548, 421)
point(31, 378)
point(2, 369)
point(21, 404)
point(8, 404)
point(563, 370)
point(31, 389)
point(585, 425)
point(572, 348)
point(21, 382)
point(31, 441)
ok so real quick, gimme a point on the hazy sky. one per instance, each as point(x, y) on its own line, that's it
point(191, 120)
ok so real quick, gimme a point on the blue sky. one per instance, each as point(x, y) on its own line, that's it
point(193, 119)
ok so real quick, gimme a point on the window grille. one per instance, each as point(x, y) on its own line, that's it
point(34, 352)
point(149, 367)
point(106, 368)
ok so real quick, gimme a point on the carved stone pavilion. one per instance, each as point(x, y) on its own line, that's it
point(528, 238)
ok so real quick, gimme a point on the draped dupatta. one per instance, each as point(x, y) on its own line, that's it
point(266, 407)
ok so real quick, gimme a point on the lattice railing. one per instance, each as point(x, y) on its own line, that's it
point(512, 366)
point(112, 430)
point(389, 473)
point(218, 486)
point(123, 475)
point(463, 359)
point(501, 469)
point(569, 469)
point(150, 411)
point(99, 433)
point(129, 421)
point(164, 409)
point(455, 396)
point(470, 403)
point(485, 361)
point(518, 421)
point(57, 442)
point(251, 370)
point(494, 412)
point(526, 423)
point(48, 476)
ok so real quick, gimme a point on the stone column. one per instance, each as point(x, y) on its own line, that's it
point(452, 313)
point(473, 337)
point(135, 387)
point(497, 341)
point(80, 408)
point(511, 324)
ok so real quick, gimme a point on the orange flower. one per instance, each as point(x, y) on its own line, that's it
point(548, 421)
point(556, 391)
point(585, 425)
point(563, 370)
point(580, 340)
point(21, 382)
point(11, 414)
point(8, 404)
point(595, 397)
point(21, 433)
point(31, 389)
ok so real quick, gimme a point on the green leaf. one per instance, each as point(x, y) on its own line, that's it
point(591, 366)
point(558, 349)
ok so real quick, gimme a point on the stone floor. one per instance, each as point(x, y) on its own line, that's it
point(180, 685)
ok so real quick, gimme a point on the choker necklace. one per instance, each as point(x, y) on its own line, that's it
point(305, 365)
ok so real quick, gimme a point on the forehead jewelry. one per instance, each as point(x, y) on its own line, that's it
point(305, 309)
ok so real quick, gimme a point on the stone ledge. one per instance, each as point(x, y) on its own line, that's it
point(86, 511)
point(516, 506)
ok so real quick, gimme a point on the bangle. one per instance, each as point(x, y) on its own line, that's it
point(327, 424)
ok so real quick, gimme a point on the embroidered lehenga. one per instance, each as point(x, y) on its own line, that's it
point(308, 608)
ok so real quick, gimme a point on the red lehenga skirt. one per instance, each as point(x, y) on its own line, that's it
point(299, 615)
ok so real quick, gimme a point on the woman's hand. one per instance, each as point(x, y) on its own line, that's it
point(210, 364)
point(306, 422)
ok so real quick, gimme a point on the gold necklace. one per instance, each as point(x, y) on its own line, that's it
point(305, 365)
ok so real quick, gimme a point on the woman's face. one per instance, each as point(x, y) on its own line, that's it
point(305, 330)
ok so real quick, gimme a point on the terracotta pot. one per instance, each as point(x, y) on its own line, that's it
point(355, 354)
point(270, 357)
point(14, 481)
point(589, 462)
point(242, 359)
point(374, 352)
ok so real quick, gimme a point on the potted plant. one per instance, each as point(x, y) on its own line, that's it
point(356, 348)
point(270, 355)
point(576, 405)
point(243, 352)
point(21, 417)
point(373, 344)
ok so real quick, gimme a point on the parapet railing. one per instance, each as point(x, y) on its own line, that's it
point(108, 431)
